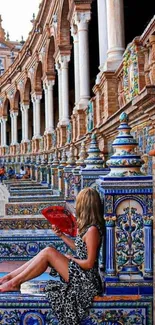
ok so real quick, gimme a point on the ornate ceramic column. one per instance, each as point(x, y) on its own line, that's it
point(110, 246)
point(74, 32)
point(81, 20)
point(102, 28)
point(148, 249)
point(64, 59)
point(115, 24)
point(58, 67)
point(50, 106)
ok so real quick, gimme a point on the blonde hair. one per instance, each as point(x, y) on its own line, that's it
point(88, 209)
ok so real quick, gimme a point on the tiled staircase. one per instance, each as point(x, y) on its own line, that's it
point(24, 232)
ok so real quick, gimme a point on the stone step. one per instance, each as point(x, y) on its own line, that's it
point(22, 188)
point(20, 308)
point(24, 183)
point(24, 222)
point(30, 192)
point(33, 198)
point(21, 245)
point(31, 208)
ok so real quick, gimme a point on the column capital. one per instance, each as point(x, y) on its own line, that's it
point(45, 86)
point(64, 60)
point(58, 66)
point(74, 31)
point(4, 119)
point(50, 84)
point(81, 19)
point(24, 107)
point(21, 107)
point(36, 97)
point(12, 114)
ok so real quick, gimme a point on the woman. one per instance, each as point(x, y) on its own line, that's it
point(80, 280)
point(27, 172)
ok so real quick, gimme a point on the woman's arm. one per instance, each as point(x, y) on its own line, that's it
point(92, 240)
point(68, 241)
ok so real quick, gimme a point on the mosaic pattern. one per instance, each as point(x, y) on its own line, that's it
point(24, 224)
point(33, 208)
point(23, 247)
point(26, 310)
point(130, 68)
point(130, 239)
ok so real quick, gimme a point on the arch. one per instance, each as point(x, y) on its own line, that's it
point(64, 25)
point(5, 107)
point(27, 90)
point(130, 197)
point(38, 78)
point(16, 100)
point(49, 59)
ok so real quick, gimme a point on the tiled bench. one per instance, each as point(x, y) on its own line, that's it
point(26, 309)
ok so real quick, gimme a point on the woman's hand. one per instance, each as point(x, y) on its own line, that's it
point(57, 231)
point(70, 257)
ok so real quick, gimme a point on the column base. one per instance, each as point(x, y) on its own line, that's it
point(62, 135)
point(48, 141)
point(112, 64)
point(81, 123)
point(4, 150)
point(64, 122)
point(49, 131)
point(13, 149)
point(35, 137)
point(35, 144)
point(83, 103)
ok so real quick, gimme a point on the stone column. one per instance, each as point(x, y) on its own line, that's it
point(23, 123)
point(46, 107)
point(15, 114)
point(4, 120)
point(58, 67)
point(115, 24)
point(64, 59)
point(50, 106)
point(74, 32)
point(12, 127)
point(37, 115)
point(1, 133)
point(26, 107)
point(102, 31)
point(34, 116)
point(81, 20)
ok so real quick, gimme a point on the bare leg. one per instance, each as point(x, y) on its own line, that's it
point(12, 274)
point(48, 256)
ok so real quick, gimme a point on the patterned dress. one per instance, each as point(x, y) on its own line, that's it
point(69, 300)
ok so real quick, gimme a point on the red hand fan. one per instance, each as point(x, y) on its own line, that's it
point(62, 218)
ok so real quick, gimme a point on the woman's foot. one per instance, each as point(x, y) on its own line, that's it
point(9, 286)
point(5, 278)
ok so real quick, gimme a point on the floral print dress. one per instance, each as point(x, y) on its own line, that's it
point(69, 300)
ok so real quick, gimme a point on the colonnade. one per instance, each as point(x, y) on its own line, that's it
point(111, 47)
